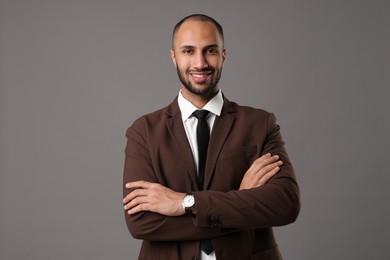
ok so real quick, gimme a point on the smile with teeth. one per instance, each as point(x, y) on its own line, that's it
point(200, 76)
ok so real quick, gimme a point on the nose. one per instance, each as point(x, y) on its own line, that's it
point(200, 61)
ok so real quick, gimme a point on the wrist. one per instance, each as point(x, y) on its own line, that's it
point(188, 203)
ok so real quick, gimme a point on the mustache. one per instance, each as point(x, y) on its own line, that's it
point(209, 70)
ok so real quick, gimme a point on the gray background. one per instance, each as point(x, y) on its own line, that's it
point(75, 74)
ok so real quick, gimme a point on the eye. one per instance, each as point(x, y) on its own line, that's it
point(187, 51)
point(212, 51)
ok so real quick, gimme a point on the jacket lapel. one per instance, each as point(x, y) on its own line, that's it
point(175, 127)
point(221, 129)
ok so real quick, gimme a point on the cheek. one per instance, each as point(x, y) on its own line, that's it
point(181, 66)
point(216, 62)
point(181, 69)
point(183, 62)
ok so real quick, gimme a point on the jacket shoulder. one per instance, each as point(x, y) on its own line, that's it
point(249, 112)
point(155, 118)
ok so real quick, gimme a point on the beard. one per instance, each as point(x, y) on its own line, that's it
point(209, 90)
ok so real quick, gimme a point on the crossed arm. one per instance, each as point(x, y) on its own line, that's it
point(268, 194)
point(154, 197)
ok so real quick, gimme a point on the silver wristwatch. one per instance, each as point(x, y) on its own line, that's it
point(188, 203)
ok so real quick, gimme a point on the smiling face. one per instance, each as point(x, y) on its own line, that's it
point(198, 55)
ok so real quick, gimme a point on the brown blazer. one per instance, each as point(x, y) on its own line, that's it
point(238, 222)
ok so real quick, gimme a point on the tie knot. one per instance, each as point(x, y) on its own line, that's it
point(200, 114)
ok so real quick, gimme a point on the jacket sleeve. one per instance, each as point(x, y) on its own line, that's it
point(276, 203)
point(149, 225)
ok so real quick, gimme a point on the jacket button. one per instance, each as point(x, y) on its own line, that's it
point(214, 223)
point(194, 258)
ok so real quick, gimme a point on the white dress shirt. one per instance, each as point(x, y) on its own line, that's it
point(214, 106)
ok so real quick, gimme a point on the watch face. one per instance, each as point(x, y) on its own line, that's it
point(188, 201)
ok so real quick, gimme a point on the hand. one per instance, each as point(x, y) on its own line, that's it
point(261, 170)
point(153, 197)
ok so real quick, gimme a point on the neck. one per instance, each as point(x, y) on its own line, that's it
point(197, 100)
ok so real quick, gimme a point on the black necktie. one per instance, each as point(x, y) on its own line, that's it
point(203, 135)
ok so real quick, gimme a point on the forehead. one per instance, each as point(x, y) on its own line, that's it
point(197, 33)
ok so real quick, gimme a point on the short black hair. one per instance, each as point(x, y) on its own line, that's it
point(198, 17)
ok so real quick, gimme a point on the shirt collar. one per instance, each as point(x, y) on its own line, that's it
point(187, 108)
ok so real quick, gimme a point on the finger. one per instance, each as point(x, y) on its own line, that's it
point(136, 209)
point(270, 160)
point(135, 202)
point(261, 159)
point(266, 177)
point(262, 162)
point(139, 185)
point(135, 193)
point(267, 169)
point(145, 203)
point(270, 167)
point(258, 163)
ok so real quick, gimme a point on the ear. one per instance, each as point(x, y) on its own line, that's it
point(173, 57)
point(223, 56)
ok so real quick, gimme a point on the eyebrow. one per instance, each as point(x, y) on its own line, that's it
point(192, 47)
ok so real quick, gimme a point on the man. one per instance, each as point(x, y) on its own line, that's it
point(207, 186)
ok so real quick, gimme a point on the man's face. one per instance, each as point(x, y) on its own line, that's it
point(198, 55)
